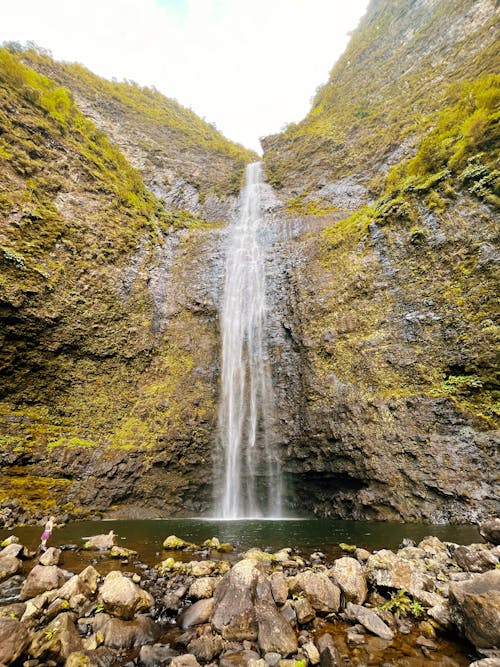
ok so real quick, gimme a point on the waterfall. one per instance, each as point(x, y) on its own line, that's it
point(251, 483)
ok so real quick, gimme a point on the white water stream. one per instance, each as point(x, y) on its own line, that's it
point(251, 484)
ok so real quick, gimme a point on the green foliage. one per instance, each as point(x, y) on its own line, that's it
point(401, 604)
point(302, 205)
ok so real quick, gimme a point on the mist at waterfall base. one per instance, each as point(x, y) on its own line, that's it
point(252, 485)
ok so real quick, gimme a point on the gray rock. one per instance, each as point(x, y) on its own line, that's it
point(475, 608)
point(348, 574)
point(311, 652)
point(272, 659)
point(13, 639)
point(490, 530)
point(41, 578)
point(288, 611)
point(202, 587)
point(323, 595)
point(122, 598)
point(369, 620)
point(196, 614)
point(386, 569)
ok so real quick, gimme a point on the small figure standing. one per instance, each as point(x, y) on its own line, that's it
point(47, 532)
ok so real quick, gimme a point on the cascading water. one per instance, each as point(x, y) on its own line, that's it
point(251, 485)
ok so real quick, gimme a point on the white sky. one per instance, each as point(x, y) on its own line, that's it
point(250, 66)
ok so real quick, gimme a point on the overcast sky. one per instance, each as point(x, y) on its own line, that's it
point(249, 66)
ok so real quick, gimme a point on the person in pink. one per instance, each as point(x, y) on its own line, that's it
point(47, 532)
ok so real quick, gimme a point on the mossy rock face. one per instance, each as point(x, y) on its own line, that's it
point(174, 543)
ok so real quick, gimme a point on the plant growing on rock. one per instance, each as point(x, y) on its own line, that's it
point(401, 604)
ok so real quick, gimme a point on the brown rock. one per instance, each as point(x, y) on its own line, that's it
point(13, 639)
point(475, 608)
point(369, 620)
point(122, 598)
point(196, 614)
point(60, 638)
point(50, 557)
point(9, 565)
point(41, 578)
point(100, 542)
point(279, 587)
point(490, 530)
point(323, 595)
point(348, 574)
point(123, 635)
point(475, 558)
point(303, 610)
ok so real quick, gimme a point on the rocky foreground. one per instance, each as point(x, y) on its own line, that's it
point(257, 609)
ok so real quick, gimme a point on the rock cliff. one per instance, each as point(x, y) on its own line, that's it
point(107, 293)
point(391, 308)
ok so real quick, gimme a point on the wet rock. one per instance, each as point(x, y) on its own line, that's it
point(11, 587)
point(172, 543)
point(475, 608)
point(490, 530)
point(196, 614)
point(58, 639)
point(9, 565)
point(425, 642)
point(369, 620)
point(41, 578)
point(13, 639)
point(328, 652)
point(323, 595)
point(475, 558)
point(171, 602)
point(355, 637)
point(122, 598)
point(279, 587)
point(156, 655)
point(50, 557)
point(121, 552)
point(100, 542)
point(348, 574)
point(206, 647)
point(122, 635)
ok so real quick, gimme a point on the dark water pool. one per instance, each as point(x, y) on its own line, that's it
point(303, 535)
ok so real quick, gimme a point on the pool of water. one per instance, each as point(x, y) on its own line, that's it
point(302, 535)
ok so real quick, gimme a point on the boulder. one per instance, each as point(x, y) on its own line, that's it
point(173, 543)
point(196, 614)
point(348, 574)
point(238, 658)
point(122, 598)
point(386, 569)
point(100, 542)
point(14, 549)
point(304, 611)
point(41, 578)
point(323, 595)
point(121, 552)
point(328, 652)
point(490, 530)
point(369, 620)
point(12, 539)
point(50, 557)
point(311, 652)
point(475, 558)
point(124, 635)
point(203, 587)
point(9, 565)
point(57, 640)
point(206, 647)
point(244, 608)
point(475, 608)
point(279, 587)
point(79, 659)
point(90, 577)
point(13, 639)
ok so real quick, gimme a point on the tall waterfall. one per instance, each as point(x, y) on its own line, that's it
point(251, 484)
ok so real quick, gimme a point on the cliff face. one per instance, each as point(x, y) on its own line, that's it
point(392, 309)
point(109, 349)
